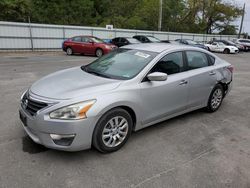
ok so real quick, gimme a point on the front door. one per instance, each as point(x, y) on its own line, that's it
point(163, 98)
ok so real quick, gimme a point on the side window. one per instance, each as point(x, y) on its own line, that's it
point(76, 39)
point(137, 37)
point(196, 60)
point(143, 39)
point(211, 59)
point(86, 39)
point(170, 64)
point(115, 40)
point(123, 40)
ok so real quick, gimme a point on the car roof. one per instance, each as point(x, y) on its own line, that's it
point(84, 36)
point(143, 36)
point(158, 47)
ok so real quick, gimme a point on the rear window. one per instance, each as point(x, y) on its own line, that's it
point(196, 60)
point(212, 59)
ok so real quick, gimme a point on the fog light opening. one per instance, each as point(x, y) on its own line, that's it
point(62, 140)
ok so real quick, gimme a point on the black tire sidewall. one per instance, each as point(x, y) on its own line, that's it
point(97, 135)
point(67, 51)
point(209, 106)
point(98, 49)
point(226, 51)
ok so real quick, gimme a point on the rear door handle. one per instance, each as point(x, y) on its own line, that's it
point(212, 73)
point(183, 82)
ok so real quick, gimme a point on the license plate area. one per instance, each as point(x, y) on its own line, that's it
point(23, 119)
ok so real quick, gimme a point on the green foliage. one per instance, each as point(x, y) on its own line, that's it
point(200, 16)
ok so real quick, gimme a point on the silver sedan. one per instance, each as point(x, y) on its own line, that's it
point(126, 90)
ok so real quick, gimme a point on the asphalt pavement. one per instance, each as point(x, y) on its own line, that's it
point(197, 149)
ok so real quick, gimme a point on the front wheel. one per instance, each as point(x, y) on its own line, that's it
point(215, 98)
point(98, 52)
point(112, 130)
point(69, 51)
point(226, 51)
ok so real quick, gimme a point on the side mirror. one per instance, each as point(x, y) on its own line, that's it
point(157, 76)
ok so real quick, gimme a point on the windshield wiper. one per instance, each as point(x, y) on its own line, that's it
point(85, 68)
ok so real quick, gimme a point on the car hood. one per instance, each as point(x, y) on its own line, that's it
point(72, 83)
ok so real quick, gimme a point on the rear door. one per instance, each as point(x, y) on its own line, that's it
point(202, 78)
point(76, 44)
point(88, 45)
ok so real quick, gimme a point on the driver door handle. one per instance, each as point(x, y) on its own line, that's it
point(212, 73)
point(183, 82)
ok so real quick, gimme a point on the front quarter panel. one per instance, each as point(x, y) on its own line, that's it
point(128, 96)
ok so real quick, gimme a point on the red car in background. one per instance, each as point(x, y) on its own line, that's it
point(87, 45)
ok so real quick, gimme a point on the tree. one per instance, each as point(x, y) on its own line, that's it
point(14, 10)
point(198, 16)
point(73, 12)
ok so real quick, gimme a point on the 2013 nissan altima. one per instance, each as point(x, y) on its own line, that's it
point(136, 86)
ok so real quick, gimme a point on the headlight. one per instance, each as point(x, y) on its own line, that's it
point(74, 111)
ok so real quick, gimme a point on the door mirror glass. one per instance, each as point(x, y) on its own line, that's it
point(157, 76)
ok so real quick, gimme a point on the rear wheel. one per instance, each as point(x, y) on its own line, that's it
point(112, 130)
point(98, 52)
point(226, 51)
point(69, 51)
point(215, 98)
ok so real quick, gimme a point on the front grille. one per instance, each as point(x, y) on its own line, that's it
point(31, 106)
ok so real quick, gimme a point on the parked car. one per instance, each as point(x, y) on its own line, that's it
point(146, 38)
point(220, 47)
point(122, 41)
point(230, 43)
point(244, 42)
point(191, 43)
point(87, 45)
point(109, 41)
point(133, 87)
point(166, 41)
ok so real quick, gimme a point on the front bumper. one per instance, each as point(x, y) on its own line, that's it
point(40, 127)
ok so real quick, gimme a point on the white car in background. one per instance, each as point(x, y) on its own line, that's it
point(220, 47)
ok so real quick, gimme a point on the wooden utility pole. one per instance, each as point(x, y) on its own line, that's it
point(160, 16)
point(242, 19)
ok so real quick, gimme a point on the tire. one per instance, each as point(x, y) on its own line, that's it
point(215, 98)
point(99, 52)
point(105, 136)
point(226, 51)
point(208, 49)
point(69, 51)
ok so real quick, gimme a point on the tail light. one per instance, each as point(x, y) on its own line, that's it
point(230, 68)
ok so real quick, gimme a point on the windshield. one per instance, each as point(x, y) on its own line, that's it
point(153, 39)
point(133, 41)
point(230, 42)
point(121, 64)
point(191, 42)
point(96, 40)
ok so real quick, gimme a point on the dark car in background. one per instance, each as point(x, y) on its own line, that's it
point(191, 43)
point(122, 41)
point(87, 45)
point(146, 38)
point(230, 43)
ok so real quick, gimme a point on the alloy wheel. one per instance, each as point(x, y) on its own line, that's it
point(115, 131)
point(216, 98)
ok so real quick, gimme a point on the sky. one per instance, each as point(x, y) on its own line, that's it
point(246, 23)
